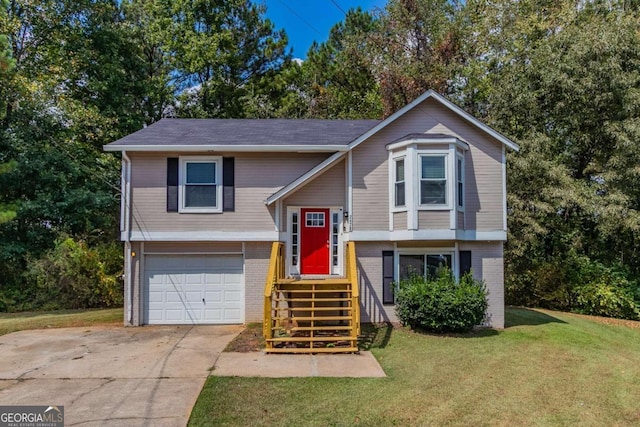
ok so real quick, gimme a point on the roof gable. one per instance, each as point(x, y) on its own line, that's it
point(300, 182)
point(444, 102)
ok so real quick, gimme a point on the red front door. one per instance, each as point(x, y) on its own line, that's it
point(314, 241)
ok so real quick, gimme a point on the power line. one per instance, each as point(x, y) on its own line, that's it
point(335, 3)
point(304, 21)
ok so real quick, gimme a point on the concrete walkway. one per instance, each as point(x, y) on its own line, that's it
point(149, 376)
point(259, 364)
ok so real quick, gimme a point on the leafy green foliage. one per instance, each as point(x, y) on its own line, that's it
point(604, 299)
point(72, 275)
point(442, 303)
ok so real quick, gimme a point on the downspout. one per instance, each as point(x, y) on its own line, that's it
point(125, 221)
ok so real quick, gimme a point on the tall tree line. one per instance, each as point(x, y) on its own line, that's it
point(560, 77)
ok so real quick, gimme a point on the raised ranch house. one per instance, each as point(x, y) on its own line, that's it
point(305, 225)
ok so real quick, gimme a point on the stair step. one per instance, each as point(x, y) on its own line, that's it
point(318, 282)
point(313, 328)
point(310, 339)
point(313, 299)
point(313, 350)
point(323, 308)
point(296, 289)
point(315, 318)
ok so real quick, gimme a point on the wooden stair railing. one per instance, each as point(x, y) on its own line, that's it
point(311, 316)
point(274, 274)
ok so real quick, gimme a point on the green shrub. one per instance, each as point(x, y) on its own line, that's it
point(575, 283)
point(73, 275)
point(602, 299)
point(442, 304)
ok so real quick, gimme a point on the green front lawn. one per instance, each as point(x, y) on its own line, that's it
point(545, 368)
point(13, 322)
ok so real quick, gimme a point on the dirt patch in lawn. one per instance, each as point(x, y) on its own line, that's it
point(249, 340)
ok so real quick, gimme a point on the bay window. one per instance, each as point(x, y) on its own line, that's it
point(433, 180)
point(399, 187)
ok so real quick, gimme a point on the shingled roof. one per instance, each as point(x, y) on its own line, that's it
point(244, 133)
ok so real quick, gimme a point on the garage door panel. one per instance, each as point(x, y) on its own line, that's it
point(233, 296)
point(213, 279)
point(193, 296)
point(214, 296)
point(172, 297)
point(233, 314)
point(190, 289)
point(156, 297)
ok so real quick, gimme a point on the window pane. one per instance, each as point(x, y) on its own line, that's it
point(399, 170)
point(197, 196)
point(411, 265)
point(433, 192)
point(400, 194)
point(433, 167)
point(460, 194)
point(435, 262)
point(459, 170)
point(201, 173)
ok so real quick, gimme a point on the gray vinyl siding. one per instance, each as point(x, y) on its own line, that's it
point(434, 220)
point(483, 169)
point(257, 176)
point(370, 281)
point(400, 220)
point(487, 264)
point(460, 220)
point(326, 190)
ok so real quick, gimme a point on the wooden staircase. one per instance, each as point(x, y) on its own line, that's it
point(311, 316)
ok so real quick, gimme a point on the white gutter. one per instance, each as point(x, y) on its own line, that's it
point(231, 148)
point(125, 227)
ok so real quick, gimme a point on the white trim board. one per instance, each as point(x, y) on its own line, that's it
point(205, 236)
point(409, 235)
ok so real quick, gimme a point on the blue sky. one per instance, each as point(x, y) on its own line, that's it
point(309, 20)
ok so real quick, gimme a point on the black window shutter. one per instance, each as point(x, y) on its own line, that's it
point(465, 262)
point(228, 184)
point(387, 277)
point(172, 184)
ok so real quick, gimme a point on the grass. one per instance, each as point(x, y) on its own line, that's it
point(545, 369)
point(13, 322)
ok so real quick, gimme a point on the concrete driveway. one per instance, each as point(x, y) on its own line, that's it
point(149, 376)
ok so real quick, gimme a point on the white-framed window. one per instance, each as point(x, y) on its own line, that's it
point(460, 182)
point(400, 197)
point(295, 238)
point(314, 219)
point(200, 184)
point(433, 180)
point(423, 264)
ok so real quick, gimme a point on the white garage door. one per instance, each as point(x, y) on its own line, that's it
point(194, 289)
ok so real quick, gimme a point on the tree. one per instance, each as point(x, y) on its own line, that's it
point(221, 53)
point(340, 81)
point(416, 48)
point(570, 97)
